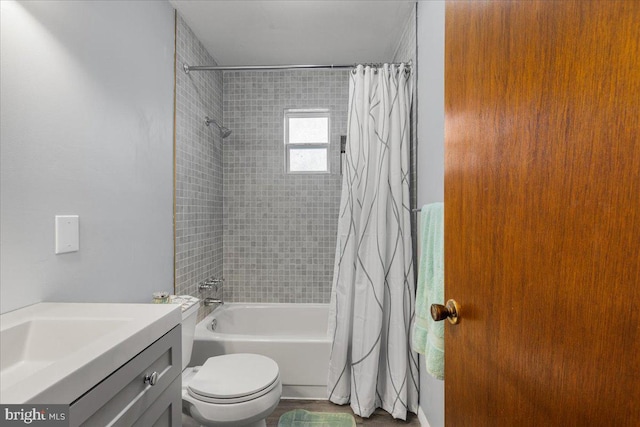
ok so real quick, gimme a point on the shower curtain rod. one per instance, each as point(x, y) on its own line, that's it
point(187, 68)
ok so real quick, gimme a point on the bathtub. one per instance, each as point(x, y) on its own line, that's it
point(294, 335)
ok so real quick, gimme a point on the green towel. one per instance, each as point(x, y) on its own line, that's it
point(302, 418)
point(428, 336)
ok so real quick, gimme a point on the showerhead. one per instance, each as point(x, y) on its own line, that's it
point(224, 131)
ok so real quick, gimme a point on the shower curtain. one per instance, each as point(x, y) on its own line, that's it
point(372, 300)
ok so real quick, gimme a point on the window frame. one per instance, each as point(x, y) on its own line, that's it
point(297, 113)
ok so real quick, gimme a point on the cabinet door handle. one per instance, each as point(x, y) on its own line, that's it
point(151, 379)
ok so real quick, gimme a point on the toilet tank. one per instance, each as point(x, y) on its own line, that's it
point(190, 307)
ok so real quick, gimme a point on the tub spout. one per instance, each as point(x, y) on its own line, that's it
point(211, 301)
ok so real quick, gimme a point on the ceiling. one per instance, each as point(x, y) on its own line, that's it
point(255, 32)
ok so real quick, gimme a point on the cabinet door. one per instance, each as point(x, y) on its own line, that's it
point(166, 411)
point(124, 396)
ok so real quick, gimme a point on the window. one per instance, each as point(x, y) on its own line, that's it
point(306, 141)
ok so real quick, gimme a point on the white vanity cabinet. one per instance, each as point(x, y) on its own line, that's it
point(145, 391)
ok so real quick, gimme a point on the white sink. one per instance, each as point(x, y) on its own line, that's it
point(36, 344)
point(54, 352)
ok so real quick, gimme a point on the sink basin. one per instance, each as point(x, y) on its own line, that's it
point(54, 352)
point(35, 344)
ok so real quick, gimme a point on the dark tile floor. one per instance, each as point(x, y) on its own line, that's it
point(379, 418)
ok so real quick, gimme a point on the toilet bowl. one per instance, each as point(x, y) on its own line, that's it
point(232, 390)
point(229, 390)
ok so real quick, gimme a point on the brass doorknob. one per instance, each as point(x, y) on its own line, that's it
point(449, 311)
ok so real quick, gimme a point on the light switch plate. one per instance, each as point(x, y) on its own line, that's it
point(67, 233)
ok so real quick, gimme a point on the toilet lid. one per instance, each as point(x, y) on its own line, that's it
point(234, 375)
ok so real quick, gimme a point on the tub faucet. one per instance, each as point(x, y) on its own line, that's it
point(211, 301)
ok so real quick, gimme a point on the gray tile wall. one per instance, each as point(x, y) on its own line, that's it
point(279, 229)
point(198, 186)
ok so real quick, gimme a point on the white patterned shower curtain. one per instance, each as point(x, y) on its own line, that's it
point(373, 295)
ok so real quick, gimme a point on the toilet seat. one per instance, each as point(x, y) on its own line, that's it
point(234, 378)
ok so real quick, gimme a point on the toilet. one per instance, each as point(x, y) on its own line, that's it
point(230, 390)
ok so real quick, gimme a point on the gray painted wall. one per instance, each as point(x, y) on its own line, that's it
point(430, 35)
point(407, 51)
point(87, 129)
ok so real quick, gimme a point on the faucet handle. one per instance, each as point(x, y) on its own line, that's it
point(210, 283)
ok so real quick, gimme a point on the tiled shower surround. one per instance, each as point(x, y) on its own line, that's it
point(279, 229)
point(198, 216)
point(272, 235)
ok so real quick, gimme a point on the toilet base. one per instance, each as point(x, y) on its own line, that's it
point(245, 414)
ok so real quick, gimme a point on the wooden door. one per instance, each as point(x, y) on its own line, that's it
point(542, 212)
